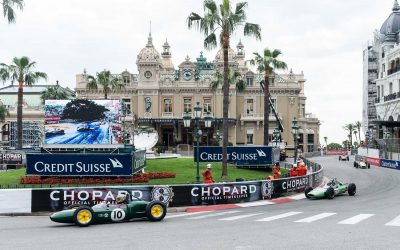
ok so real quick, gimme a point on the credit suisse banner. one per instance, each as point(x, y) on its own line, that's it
point(79, 164)
point(239, 155)
point(390, 164)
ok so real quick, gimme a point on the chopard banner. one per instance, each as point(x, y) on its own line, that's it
point(291, 184)
point(239, 155)
point(373, 161)
point(10, 158)
point(79, 164)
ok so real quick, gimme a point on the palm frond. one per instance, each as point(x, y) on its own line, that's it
point(210, 41)
point(251, 29)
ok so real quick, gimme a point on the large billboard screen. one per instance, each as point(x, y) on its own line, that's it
point(81, 121)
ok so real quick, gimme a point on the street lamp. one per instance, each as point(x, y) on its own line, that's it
point(197, 133)
point(295, 131)
point(277, 134)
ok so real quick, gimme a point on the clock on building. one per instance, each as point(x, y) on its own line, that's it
point(187, 74)
point(147, 74)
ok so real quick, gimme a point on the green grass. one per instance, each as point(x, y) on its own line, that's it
point(185, 169)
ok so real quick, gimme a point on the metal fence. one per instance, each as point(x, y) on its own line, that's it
point(389, 148)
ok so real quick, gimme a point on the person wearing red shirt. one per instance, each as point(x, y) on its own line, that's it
point(208, 178)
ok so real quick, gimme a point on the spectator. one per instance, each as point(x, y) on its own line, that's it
point(208, 178)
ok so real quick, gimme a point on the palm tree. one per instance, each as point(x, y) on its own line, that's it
point(20, 70)
point(221, 18)
point(8, 8)
point(106, 80)
point(355, 135)
point(267, 64)
point(358, 126)
point(234, 78)
point(56, 92)
point(350, 128)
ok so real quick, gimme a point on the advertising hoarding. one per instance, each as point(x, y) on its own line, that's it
point(10, 158)
point(80, 121)
point(79, 164)
point(249, 155)
point(390, 164)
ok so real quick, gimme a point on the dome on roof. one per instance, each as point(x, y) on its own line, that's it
point(220, 55)
point(392, 24)
point(149, 54)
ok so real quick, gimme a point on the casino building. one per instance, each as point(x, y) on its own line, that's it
point(161, 93)
point(381, 80)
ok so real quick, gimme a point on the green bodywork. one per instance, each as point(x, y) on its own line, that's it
point(320, 192)
point(106, 212)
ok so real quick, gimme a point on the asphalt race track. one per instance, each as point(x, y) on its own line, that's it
point(369, 220)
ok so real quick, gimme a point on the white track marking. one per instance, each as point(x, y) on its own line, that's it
point(297, 196)
point(256, 203)
point(240, 217)
point(212, 215)
point(185, 214)
point(356, 219)
point(315, 217)
point(395, 222)
point(279, 216)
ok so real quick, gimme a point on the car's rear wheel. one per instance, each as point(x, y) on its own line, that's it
point(156, 211)
point(83, 216)
point(351, 189)
point(330, 193)
point(368, 165)
point(307, 190)
point(340, 158)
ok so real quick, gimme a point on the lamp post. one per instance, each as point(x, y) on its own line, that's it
point(295, 131)
point(197, 133)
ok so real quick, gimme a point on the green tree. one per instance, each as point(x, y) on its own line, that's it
point(349, 128)
point(234, 78)
point(334, 145)
point(21, 70)
point(3, 113)
point(8, 8)
point(358, 126)
point(83, 110)
point(108, 81)
point(56, 92)
point(267, 63)
point(224, 20)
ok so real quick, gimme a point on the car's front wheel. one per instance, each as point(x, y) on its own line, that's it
point(307, 190)
point(83, 216)
point(351, 189)
point(330, 193)
point(156, 211)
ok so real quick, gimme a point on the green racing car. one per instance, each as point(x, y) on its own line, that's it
point(125, 209)
point(330, 190)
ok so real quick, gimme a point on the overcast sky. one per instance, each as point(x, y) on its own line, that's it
point(323, 38)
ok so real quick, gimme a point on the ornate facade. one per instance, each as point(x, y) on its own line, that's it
point(160, 94)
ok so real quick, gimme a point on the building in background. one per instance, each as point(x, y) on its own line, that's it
point(382, 82)
point(160, 94)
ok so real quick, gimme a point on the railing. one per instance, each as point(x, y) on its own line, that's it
point(391, 97)
point(167, 114)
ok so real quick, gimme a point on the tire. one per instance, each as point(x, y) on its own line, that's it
point(156, 211)
point(330, 193)
point(347, 159)
point(340, 158)
point(83, 216)
point(306, 191)
point(351, 189)
point(355, 164)
point(368, 166)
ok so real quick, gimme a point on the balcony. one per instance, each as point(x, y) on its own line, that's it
point(391, 97)
point(203, 114)
point(167, 114)
point(256, 117)
point(393, 70)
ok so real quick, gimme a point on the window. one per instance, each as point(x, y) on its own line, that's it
point(274, 105)
point(207, 107)
point(249, 81)
point(390, 88)
point(303, 110)
point(249, 136)
point(383, 90)
point(168, 105)
point(126, 79)
point(378, 91)
point(249, 107)
point(128, 106)
point(187, 105)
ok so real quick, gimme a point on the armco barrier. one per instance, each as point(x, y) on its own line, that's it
point(55, 199)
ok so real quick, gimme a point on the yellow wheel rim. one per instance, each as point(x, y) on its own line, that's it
point(84, 216)
point(157, 211)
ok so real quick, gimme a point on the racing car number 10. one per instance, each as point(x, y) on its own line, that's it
point(117, 214)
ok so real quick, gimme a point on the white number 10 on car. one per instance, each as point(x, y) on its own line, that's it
point(117, 214)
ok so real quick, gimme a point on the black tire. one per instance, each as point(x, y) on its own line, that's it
point(80, 210)
point(347, 159)
point(330, 193)
point(340, 158)
point(354, 164)
point(351, 189)
point(368, 166)
point(307, 190)
point(156, 211)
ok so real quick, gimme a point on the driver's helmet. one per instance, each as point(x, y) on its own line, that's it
point(302, 164)
point(121, 198)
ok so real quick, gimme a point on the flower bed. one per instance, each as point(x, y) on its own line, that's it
point(138, 178)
